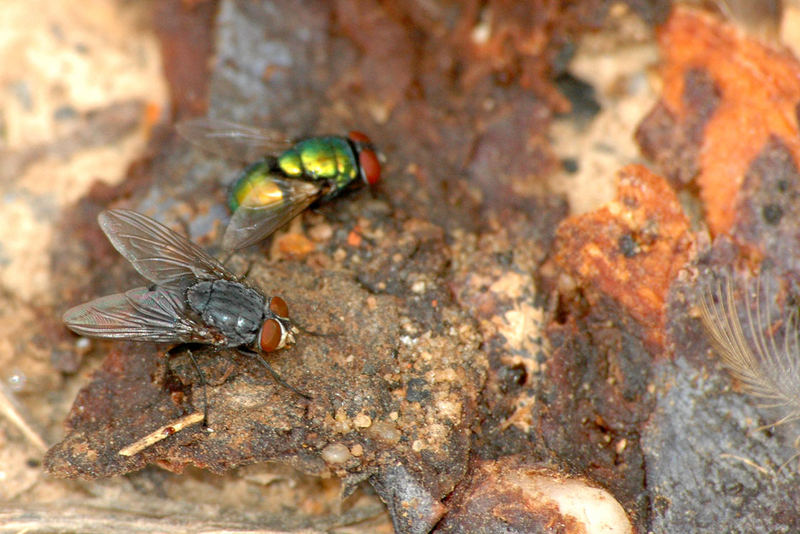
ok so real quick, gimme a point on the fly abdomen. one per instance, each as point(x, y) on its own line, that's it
point(236, 310)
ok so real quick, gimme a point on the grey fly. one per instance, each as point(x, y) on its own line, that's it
point(192, 299)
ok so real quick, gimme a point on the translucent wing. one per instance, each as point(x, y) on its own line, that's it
point(231, 140)
point(159, 254)
point(139, 314)
point(266, 208)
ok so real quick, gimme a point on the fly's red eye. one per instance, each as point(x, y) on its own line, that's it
point(370, 166)
point(359, 137)
point(271, 335)
point(278, 306)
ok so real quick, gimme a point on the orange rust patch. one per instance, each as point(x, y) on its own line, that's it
point(629, 250)
point(759, 90)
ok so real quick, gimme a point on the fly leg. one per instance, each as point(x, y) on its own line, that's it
point(276, 376)
point(246, 273)
point(200, 373)
point(205, 387)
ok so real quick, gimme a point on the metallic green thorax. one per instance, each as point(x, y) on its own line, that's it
point(328, 158)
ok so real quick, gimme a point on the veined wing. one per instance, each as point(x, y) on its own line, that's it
point(140, 314)
point(159, 254)
point(231, 140)
point(266, 208)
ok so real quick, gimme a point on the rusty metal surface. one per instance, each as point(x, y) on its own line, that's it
point(714, 460)
point(392, 360)
point(455, 317)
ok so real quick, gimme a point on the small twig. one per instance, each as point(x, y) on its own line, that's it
point(10, 407)
point(161, 433)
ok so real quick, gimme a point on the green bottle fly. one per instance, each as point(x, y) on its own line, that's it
point(272, 191)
